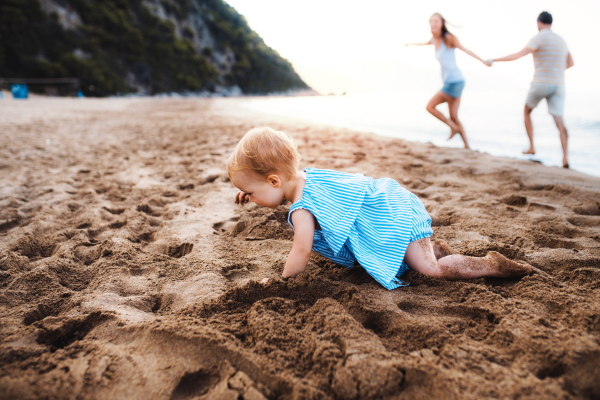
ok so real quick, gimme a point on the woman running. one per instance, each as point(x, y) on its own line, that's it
point(454, 82)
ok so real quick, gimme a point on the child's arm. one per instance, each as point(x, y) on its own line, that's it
point(304, 232)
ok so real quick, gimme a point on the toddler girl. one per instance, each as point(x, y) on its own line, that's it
point(350, 217)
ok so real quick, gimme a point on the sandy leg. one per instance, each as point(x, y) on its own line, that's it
point(505, 268)
point(421, 256)
point(493, 265)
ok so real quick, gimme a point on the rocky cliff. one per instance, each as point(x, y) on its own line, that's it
point(143, 46)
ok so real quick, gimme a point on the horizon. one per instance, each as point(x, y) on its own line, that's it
point(333, 53)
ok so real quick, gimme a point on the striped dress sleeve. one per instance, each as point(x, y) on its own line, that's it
point(335, 199)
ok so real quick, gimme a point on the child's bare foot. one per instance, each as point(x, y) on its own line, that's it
point(441, 249)
point(502, 267)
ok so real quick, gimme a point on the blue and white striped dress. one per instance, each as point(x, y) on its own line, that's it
point(365, 220)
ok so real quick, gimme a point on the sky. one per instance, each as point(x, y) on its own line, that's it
point(358, 47)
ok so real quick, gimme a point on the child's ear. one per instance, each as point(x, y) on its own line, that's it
point(274, 181)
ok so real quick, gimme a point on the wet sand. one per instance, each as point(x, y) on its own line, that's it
point(127, 271)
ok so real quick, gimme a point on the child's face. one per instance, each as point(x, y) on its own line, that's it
point(266, 192)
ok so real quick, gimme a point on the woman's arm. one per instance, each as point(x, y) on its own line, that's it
point(420, 44)
point(304, 233)
point(455, 43)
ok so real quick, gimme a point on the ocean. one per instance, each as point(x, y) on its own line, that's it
point(493, 121)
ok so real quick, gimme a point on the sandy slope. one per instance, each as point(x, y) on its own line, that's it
point(126, 271)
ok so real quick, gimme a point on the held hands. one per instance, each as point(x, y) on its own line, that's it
point(242, 198)
point(488, 63)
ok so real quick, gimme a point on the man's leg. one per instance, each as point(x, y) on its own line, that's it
point(529, 129)
point(556, 105)
point(564, 138)
point(534, 96)
point(439, 98)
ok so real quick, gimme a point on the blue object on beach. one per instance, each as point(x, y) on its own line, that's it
point(80, 94)
point(1, 93)
point(19, 91)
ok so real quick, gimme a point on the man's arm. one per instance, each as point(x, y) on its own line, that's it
point(516, 56)
point(570, 61)
point(304, 233)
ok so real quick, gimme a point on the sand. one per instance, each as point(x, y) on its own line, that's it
point(127, 271)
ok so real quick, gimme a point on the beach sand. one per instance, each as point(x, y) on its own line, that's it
point(127, 271)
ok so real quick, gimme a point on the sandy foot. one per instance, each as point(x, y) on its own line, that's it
point(506, 268)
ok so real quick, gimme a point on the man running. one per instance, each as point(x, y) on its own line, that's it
point(551, 57)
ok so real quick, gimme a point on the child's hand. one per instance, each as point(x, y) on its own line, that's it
point(265, 280)
point(242, 198)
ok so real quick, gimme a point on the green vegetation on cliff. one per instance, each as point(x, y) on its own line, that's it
point(121, 46)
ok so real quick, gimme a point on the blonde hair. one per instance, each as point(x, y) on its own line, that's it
point(266, 151)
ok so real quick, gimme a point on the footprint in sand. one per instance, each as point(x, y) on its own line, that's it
point(237, 271)
point(225, 226)
point(145, 208)
point(114, 211)
point(199, 289)
point(35, 246)
point(178, 251)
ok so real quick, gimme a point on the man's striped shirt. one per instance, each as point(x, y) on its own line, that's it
point(549, 57)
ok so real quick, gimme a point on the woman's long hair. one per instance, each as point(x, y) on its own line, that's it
point(445, 31)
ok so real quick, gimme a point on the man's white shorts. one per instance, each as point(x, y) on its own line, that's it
point(554, 95)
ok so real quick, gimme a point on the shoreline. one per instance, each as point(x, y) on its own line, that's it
point(388, 115)
point(282, 117)
point(127, 270)
point(524, 166)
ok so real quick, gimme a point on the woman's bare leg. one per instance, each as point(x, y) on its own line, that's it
point(420, 256)
point(453, 105)
point(439, 98)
